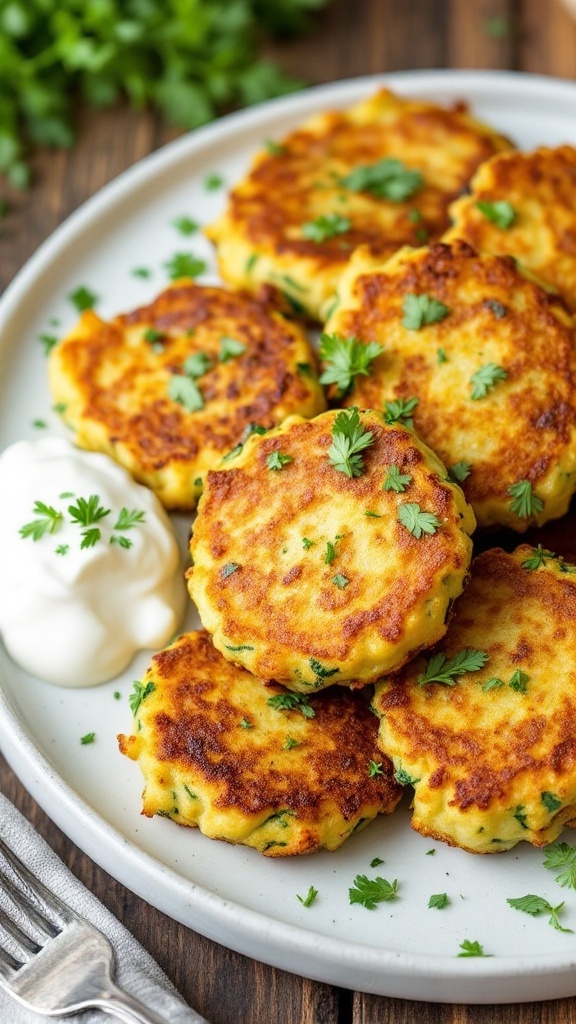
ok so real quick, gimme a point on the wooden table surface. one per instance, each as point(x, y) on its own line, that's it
point(351, 37)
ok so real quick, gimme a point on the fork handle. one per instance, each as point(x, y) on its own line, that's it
point(126, 1008)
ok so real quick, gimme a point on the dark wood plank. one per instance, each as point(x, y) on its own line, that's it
point(548, 38)
point(482, 34)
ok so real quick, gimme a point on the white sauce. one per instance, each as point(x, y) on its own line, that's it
point(77, 618)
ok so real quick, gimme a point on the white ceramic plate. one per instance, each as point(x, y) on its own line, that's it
point(230, 894)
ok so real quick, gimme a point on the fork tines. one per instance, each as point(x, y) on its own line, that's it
point(25, 898)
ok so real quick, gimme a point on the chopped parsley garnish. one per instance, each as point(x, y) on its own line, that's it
point(340, 581)
point(246, 724)
point(459, 472)
point(518, 681)
point(62, 549)
point(307, 543)
point(500, 212)
point(440, 669)
point(371, 891)
point(142, 272)
point(233, 453)
point(230, 348)
point(90, 537)
point(320, 671)
point(275, 148)
point(386, 179)
point(404, 779)
point(441, 355)
point(290, 743)
point(152, 336)
point(349, 439)
point(400, 410)
point(185, 225)
point(277, 460)
point(140, 692)
point(374, 768)
point(485, 379)
point(308, 900)
point(562, 855)
point(326, 226)
point(127, 519)
point(240, 647)
point(472, 949)
point(525, 503)
point(345, 359)
point(551, 802)
point(421, 310)
point(48, 521)
point(48, 341)
point(521, 816)
point(82, 298)
point(196, 365)
point(396, 481)
point(212, 182)
point(251, 262)
point(492, 684)
point(330, 553)
point(229, 569)
point(538, 558)
point(88, 738)
point(86, 514)
point(376, 862)
point(184, 264)
point(439, 901)
point(291, 702)
point(497, 308)
point(305, 370)
point(416, 521)
point(535, 905)
point(184, 390)
point(372, 515)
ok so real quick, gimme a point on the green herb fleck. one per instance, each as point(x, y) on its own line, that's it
point(520, 816)
point(48, 341)
point(459, 472)
point(82, 298)
point(229, 569)
point(49, 520)
point(240, 647)
point(374, 768)
point(184, 264)
point(440, 669)
point(230, 348)
point(196, 365)
point(277, 460)
point(485, 379)
point(326, 226)
point(538, 558)
point(396, 481)
point(535, 905)
point(140, 692)
point(421, 310)
point(212, 182)
point(562, 855)
point(345, 359)
point(62, 549)
point(340, 581)
point(369, 892)
point(308, 900)
point(472, 949)
point(142, 272)
point(441, 355)
point(492, 684)
point(88, 738)
point(501, 212)
point(551, 802)
point(152, 336)
point(275, 148)
point(525, 503)
point(404, 779)
point(290, 743)
point(439, 901)
point(349, 439)
point(185, 225)
point(518, 682)
point(129, 518)
point(320, 671)
point(400, 410)
point(416, 521)
point(184, 390)
point(246, 724)
point(497, 308)
point(376, 862)
point(387, 179)
point(291, 702)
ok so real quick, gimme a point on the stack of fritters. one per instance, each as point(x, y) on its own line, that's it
point(331, 549)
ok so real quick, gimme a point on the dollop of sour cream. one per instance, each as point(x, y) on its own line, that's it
point(90, 570)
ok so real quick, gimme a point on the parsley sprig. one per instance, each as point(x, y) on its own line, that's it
point(387, 179)
point(349, 439)
point(48, 521)
point(472, 948)
point(500, 212)
point(292, 701)
point(416, 520)
point(371, 891)
point(422, 310)
point(88, 513)
point(327, 226)
point(400, 410)
point(562, 855)
point(441, 669)
point(535, 905)
point(345, 359)
point(485, 379)
point(524, 502)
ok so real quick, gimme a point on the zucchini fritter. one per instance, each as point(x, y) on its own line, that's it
point(529, 213)
point(168, 389)
point(492, 755)
point(382, 172)
point(217, 754)
point(490, 358)
point(310, 576)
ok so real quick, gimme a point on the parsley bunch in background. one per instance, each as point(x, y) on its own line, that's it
point(190, 59)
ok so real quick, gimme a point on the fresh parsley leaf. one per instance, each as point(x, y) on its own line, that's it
point(184, 390)
point(48, 521)
point(245, 724)
point(239, 647)
point(492, 684)
point(439, 901)
point(369, 892)
point(326, 226)
point(472, 949)
point(400, 410)
point(212, 182)
point(275, 148)
point(421, 310)
point(88, 738)
point(441, 355)
point(345, 359)
point(82, 298)
point(404, 779)
point(416, 520)
point(196, 365)
point(277, 460)
point(396, 481)
point(291, 702)
point(153, 337)
point(90, 537)
point(562, 855)
point(387, 179)
point(142, 272)
point(48, 341)
point(349, 439)
point(308, 900)
point(500, 212)
point(123, 542)
point(129, 518)
point(320, 670)
point(374, 768)
point(440, 669)
point(62, 549)
point(551, 802)
point(184, 264)
point(86, 513)
point(290, 743)
point(525, 503)
point(330, 553)
point(538, 558)
point(485, 379)
point(518, 681)
point(521, 816)
point(535, 905)
point(307, 543)
point(140, 692)
point(459, 472)
point(340, 581)
point(372, 515)
point(185, 225)
point(376, 862)
point(230, 348)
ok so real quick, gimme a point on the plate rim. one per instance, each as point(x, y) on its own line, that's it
point(286, 946)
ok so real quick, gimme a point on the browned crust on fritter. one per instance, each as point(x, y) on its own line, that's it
point(484, 765)
point(537, 345)
point(540, 186)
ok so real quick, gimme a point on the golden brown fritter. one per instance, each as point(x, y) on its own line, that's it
point(222, 751)
point(312, 577)
point(170, 388)
point(490, 358)
point(382, 173)
point(491, 752)
point(540, 228)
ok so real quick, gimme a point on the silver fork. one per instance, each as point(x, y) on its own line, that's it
point(65, 964)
